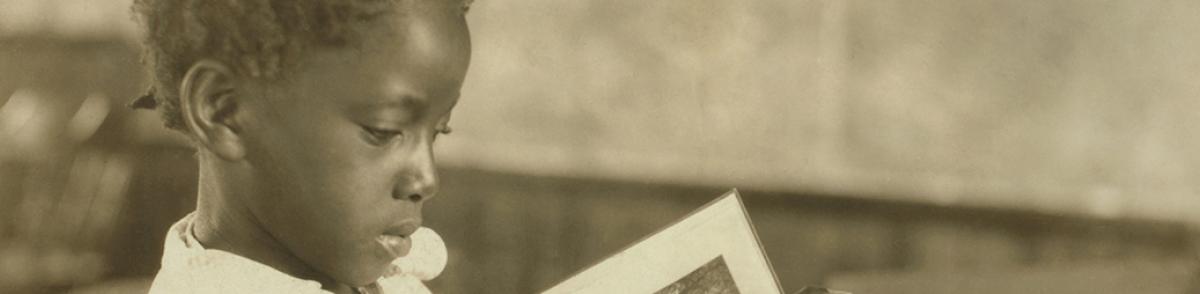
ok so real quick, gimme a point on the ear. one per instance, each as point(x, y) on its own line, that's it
point(209, 108)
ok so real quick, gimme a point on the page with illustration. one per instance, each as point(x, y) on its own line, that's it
point(712, 250)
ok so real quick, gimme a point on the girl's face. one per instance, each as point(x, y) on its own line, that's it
point(342, 153)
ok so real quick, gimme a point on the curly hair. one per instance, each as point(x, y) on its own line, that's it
point(258, 39)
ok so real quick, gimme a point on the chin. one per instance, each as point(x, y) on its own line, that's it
point(363, 276)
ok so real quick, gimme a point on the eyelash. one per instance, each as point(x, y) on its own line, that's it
point(382, 135)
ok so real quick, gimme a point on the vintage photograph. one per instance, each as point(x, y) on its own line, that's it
point(599, 146)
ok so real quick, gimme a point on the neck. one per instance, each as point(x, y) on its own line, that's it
point(223, 221)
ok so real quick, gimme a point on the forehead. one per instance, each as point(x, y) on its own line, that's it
point(430, 37)
point(425, 48)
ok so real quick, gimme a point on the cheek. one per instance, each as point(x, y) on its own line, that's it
point(317, 171)
point(338, 177)
point(328, 211)
point(305, 148)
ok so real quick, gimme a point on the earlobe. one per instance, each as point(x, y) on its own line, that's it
point(208, 106)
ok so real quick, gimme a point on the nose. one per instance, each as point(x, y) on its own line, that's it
point(418, 180)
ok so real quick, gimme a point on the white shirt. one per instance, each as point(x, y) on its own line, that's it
point(189, 268)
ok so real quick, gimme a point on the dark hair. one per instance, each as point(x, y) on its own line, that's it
point(258, 39)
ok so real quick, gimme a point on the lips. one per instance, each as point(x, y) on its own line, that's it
point(405, 228)
point(395, 240)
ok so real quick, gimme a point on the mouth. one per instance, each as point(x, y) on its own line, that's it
point(395, 240)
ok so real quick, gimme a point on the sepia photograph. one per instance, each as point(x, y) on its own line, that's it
point(599, 146)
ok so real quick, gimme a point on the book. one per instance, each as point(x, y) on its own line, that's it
point(711, 250)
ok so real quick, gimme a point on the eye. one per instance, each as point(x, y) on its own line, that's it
point(381, 135)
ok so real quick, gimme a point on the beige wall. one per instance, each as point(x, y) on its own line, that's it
point(1080, 107)
point(90, 19)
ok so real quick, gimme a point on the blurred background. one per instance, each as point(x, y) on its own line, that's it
point(918, 146)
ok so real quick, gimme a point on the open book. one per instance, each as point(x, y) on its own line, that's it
point(712, 250)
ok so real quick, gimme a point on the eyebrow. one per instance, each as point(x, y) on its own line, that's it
point(405, 108)
point(413, 106)
point(402, 101)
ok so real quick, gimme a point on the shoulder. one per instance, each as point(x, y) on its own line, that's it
point(190, 268)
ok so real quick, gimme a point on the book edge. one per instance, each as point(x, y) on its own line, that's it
point(754, 231)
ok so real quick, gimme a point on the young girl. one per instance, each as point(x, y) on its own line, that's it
point(314, 122)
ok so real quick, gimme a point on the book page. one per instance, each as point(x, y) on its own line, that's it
point(712, 250)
